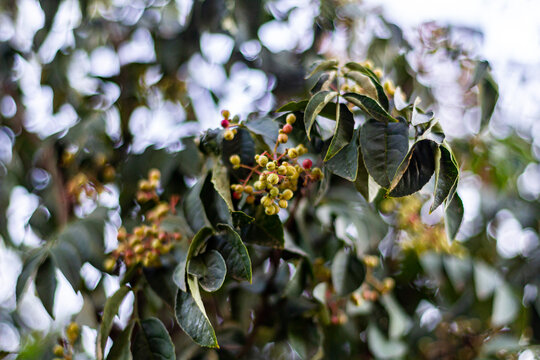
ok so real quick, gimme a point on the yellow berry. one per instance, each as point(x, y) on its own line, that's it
point(317, 173)
point(274, 192)
point(378, 72)
point(389, 87)
point(229, 135)
point(283, 138)
point(226, 114)
point(292, 153)
point(109, 264)
point(266, 201)
point(263, 160)
point(58, 350)
point(276, 208)
point(139, 231)
point(291, 118)
point(234, 159)
point(301, 149)
point(371, 261)
point(273, 179)
point(250, 199)
point(156, 244)
point(145, 185)
point(388, 285)
point(239, 188)
point(259, 185)
point(72, 332)
point(271, 166)
point(283, 204)
point(138, 249)
point(270, 210)
point(287, 194)
point(368, 64)
point(154, 174)
point(282, 170)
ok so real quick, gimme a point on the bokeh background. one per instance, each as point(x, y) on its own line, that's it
point(119, 74)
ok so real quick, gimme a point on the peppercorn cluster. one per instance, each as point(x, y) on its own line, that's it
point(147, 242)
point(64, 349)
point(279, 174)
point(229, 125)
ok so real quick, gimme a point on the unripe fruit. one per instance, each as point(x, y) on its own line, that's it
point(266, 201)
point(273, 179)
point(271, 166)
point(283, 204)
point(287, 128)
point(250, 199)
point(291, 118)
point(269, 210)
point(72, 332)
point(248, 189)
point(139, 231)
point(274, 192)
point(58, 350)
point(317, 173)
point(259, 185)
point(145, 185)
point(154, 174)
point(378, 72)
point(371, 261)
point(237, 195)
point(156, 244)
point(234, 159)
point(138, 249)
point(263, 160)
point(282, 170)
point(229, 135)
point(225, 123)
point(389, 87)
point(287, 194)
point(292, 153)
point(283, 138)
point(388, 285)
point(109, 265)
point(225, 113)
point(307, 163)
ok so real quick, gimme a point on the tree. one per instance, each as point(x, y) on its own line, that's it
point(302, 231)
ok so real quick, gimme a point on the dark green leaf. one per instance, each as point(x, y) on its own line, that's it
point(345, 162)
point(161, 280)
point(152, 341)
point(179, 273)
point(384, 146)
point(242, 145)
point(324, 65)
point(199, 242)
point(236, 256)
point(46, 284)
point(383, 348)
point(293, 106)
point(305, 338)
point(210, 269)
point(241, 219)
point(217, 210)
point(343, 132)
point(109, 312)
point(381, 96)
point(369, 106)
point(35, 258)
point(120, 349)
point(348, 272)
point(453, 217)
point(298, 282)
point(446, 175)
point(193, 320)
point(489, 94)
point(67, 259)
point(220, 179)
point(314, 107)
point(266, 230)
point(415, 170)
point(193, 207)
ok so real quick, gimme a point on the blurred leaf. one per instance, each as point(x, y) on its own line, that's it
point(46, 284)
point(446, 175)
point(415, 170)
point(120, 349)
point(265, 230)
point(369, 106)
point(345, 162)
point(305, 338)
point(381, 347)
point(384, 146)
point(324, 65)
point(210, 269)
point(299, 281)
point(236, 256)
point(34, 259)
point(193, 207)
point(67, 259)
point(220, 179)
point(453, 217)
point(458, 270)
point(179, 273)
point(161, 280)
point(399, 321)
point(152, 341)
point(489, 94)
point(486, 280)
point(109, 312)
point(505, 306)
point(193, 320)
point(314, 107)
point(381, 96)
point(348, 273)
point(343, 132)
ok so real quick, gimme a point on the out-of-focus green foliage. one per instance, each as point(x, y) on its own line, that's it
point(373, 254)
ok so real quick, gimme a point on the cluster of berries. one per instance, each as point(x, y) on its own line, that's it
point(80, 184)
point(279, 174)
point(146, 243)
point(64, 349)
point(372, 288)
point(229, 125)
point(148, 187)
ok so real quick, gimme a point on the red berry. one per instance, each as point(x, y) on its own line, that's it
point(307, 164)
point(237, 195)
point(225, 123)
point(287, 128)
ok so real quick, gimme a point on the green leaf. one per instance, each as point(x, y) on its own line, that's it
point(343, 131)
point(415, 170)
point(364, 183)
point(505, 306)
point(384, 146)
point(345, 163)
point(399, 320)
point(109, 312)
point(383, 348)
point(293, 106)
point(381, 96)
point(266, 230)
point(453, 217)
point(152, 341)
point(348, 272)
point(46, 284)
point(35, 258)
point(242, 145)
point(220, 179)
point(194, 209)
point(369, 106)
point(305, 338)
point(193, 320)
point(67, 259)
point(298, 282)
point(314, 107)
point(236, 256)
point(161, 281)
point(446, 175)
point(324, 65)
point(488, 94)
point(199, 242)
point(179, 273)
point(210, 269)
point(241, 219)
point(217, 210)
point(120, 349)
point(399, 103)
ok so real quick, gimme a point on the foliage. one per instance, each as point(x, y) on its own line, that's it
point(298, 233)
